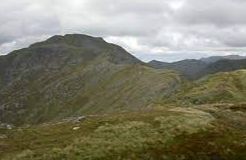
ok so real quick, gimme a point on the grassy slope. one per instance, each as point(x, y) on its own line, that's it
point(161, 133)
point(217, 88)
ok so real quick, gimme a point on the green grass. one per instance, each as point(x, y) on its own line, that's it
point(161, 133)
point(223, 87)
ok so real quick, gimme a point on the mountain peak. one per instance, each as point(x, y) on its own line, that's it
point(71, 39)
point(86, 46)
point(60, 52)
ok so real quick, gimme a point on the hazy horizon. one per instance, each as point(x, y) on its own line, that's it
point(170, 56)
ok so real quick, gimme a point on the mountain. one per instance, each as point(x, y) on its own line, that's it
point(59, 52)
point(189, 68)
point(225, 65)
point(158, 64)
point(213, 59)
point(76, 75)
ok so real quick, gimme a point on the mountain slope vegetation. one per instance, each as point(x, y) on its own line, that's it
point(207, 132)
point(224, 87)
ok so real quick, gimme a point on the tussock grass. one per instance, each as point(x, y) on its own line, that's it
point(167, 133)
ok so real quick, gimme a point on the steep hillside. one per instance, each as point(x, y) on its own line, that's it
point(218, 88)
point(76, 75)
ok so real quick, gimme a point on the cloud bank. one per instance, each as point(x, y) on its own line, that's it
point(167, 30)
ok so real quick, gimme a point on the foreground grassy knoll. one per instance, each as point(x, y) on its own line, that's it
point(201, 132)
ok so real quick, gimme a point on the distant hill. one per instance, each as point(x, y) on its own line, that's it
point(189, 68)
point(213, 59)
point(223, 66)
point(76, 75)
point(195, 69)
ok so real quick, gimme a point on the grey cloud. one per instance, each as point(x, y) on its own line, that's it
point(128, 6)
point(24, 19)
point(146, 28)
point(215, 12)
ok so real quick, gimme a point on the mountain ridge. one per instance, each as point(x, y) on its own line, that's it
point(213, 59)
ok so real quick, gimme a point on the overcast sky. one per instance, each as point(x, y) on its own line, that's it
point(167, 30)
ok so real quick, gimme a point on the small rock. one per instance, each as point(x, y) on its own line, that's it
point(3, 136)
point(9, 127)
point(81, 118)
point(76, 128)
